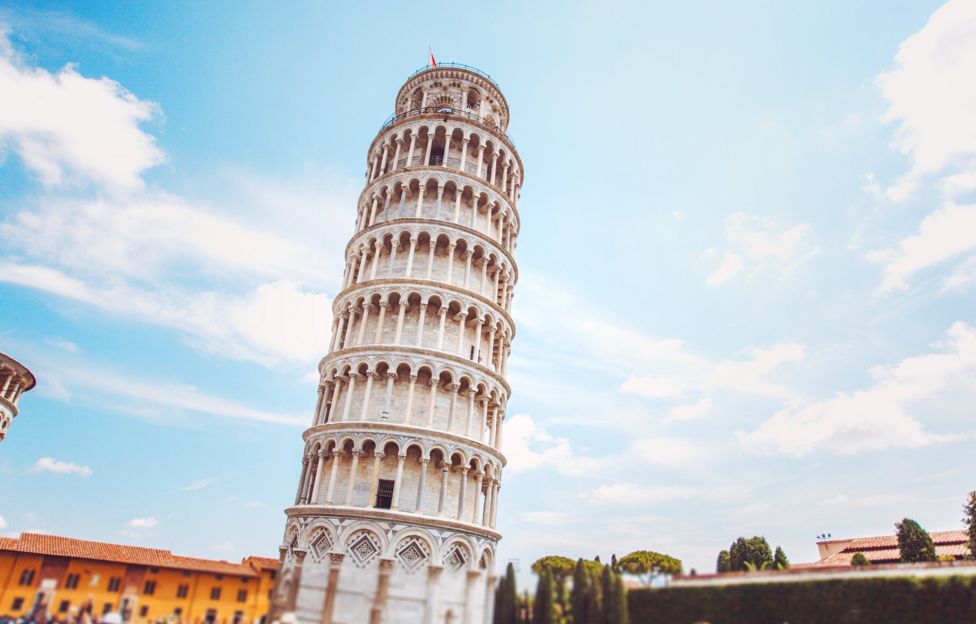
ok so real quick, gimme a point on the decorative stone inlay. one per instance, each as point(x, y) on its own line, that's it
point(413, 553)
point(320, 544)
point(364, 547)
point(456, 559)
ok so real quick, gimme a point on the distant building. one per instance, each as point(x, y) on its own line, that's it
point(59, 574)
point(884, 549)
point(15, 380)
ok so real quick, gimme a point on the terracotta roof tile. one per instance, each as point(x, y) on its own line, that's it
point(861, 544)
point(263, 563)
point(55, 545)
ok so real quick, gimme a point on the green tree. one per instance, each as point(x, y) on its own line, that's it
point(594, 608)
point(750, 554)
point(914, 542)
point(647, 563)
point(580, 595)
point(859, 560)
point(506, 599)
point(780, 560)
point(724, 562)
point(619, 610)
point(970, 521)
point(543, 610)
point(560, 569)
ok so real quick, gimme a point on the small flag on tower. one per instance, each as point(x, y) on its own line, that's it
point(433, 61)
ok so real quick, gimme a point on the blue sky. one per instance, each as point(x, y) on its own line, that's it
point(747, 259)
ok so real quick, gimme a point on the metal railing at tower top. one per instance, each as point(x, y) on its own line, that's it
point(473, 70)
point(447, 111)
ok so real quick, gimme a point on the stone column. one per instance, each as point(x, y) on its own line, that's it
point(464, 151)
point(472, 578)
point(349, 390)
point(382, 587)
point(410, 254)
point(337, 386)
point(372, 211)
point(370, 375)
point(390, 378)
point(420, 201)
point(478, 476)
point(421, 317)
point(440, 196)
point(374, 479)
point(457, 206)
point(314, 498)
point(434, 385)
point(360, 273)
point(301, 479)
point(423, 482)
point(464, 491)
point(430, 258)
point(333, 473)
point(489, 609)
point(413, 143)
point(494, 502)
point(386, 153)
point(430, 145)
point(331, 587)
point(396, 153)
point(402, 310)
point(398, 482)
point(352, 476)
point(489, 359)
point(394, 245)
point(481, 159)
point(467, 267)
point(450, 414)
point(477, 340)
point(337, 338)
point(318, 404)
point(378, 334)
point(469, 417)
point(409, 409)
point(440, 327)
point(486, 509)
point(430, 612)
point(377, 252)
point(461, 318)
point(450, 261)
point(445, 472)
point(360, 337)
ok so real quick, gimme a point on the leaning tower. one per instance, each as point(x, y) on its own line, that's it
point(394, 518)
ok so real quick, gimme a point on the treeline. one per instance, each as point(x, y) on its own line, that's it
point(577, 592)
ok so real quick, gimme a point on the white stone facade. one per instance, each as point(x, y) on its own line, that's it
point(15, 380)
point(394, 518)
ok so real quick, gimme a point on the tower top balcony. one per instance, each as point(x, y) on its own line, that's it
point(456, 88)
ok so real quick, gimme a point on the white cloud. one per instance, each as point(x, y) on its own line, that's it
point(942, 235)
point(884, 415)
point(224, 547)
point(669, 451)
point(545, 518)
point(930, 94)
point(730, 266)
point(751, 376)
point(61, 343)
point(49, 464)
point(632, 495)
point(274, 322)
point(691, 411)
point(3, 523)
point(67, 128)
point(198, 485)
point(759, 245)
point(149, 522)
point(528, 446)
point(655, 387)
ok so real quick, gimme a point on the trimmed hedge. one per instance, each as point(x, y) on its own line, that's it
point(905, 600)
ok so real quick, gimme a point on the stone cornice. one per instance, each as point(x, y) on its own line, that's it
point(10, 406)
point(434, 284)
point(398, 124)
point(385, 350)
point(395, 517)
point(426, 224)
point(411, 430)
point(451, 171)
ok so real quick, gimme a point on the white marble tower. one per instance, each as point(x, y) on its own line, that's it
point(394, 518)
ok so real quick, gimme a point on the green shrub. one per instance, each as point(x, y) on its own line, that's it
point(860, 560)
point(904, 600)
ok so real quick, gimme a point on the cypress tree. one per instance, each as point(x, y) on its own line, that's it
point(780, 560)
point(594, 607)
point(970, 521)
point(543, 609)
point(580, 595)
point(622, 609)
point(506, 599)
point(914, 542)
point(608, 587)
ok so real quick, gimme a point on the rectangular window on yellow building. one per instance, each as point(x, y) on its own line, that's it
point(71, 582)
point(182, 591)
point(106, 607)
point(63, 607)
point(215, 593)
point(143, 611)
point(150, 588)
point(114, 583)
point(27, 577)
point(17, 605)
point(242, 595)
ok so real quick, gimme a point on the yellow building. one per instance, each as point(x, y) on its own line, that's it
point(144, 585)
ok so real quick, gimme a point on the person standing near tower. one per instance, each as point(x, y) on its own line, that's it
point(395, 514)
